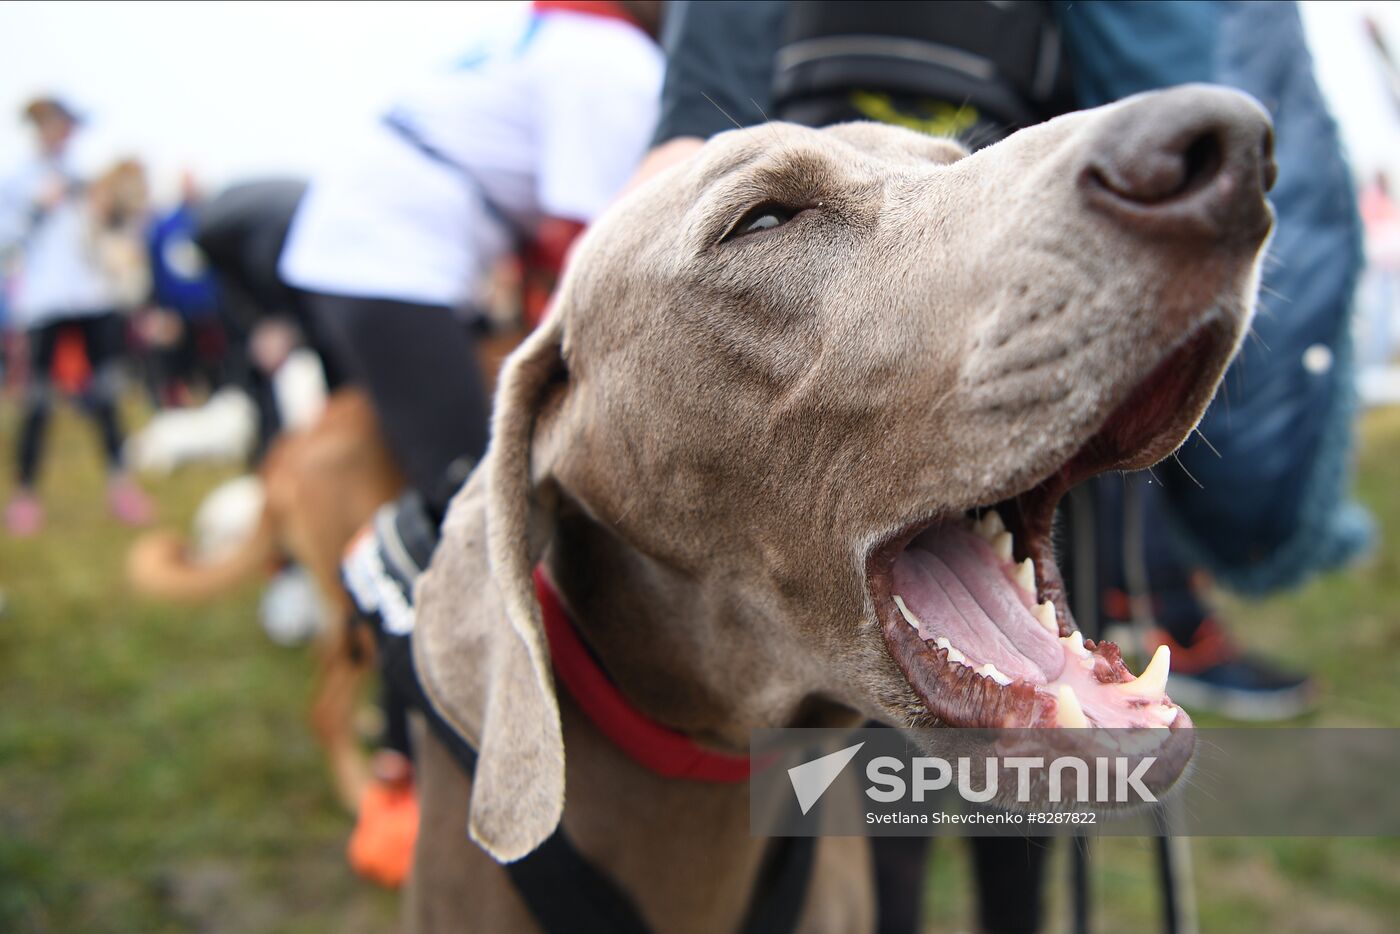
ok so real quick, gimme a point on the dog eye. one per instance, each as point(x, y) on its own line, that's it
point(763, 217)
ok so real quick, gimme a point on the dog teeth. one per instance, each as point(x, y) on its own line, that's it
point(953, 654)
point(1068, 713)
point(1152, 683)
point(1075, 643)
point(909, 618)
point(1045, 614)
point(1025, 576)
point(990, 671)
point(1001, 545)
point(990, 525)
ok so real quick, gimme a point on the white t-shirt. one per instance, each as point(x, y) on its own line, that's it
point(60, 276)
point(551, 124)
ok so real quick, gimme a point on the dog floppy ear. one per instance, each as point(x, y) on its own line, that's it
point(479, 640)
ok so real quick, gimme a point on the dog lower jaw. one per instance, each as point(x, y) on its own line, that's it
point(966, 610)
point(990, 580)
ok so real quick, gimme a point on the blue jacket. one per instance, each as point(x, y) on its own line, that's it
point(1272, 508)
point(180, 277)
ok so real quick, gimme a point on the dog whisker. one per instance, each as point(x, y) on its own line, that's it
point(727, 114)
point(1177, 457)
point(1212, 447)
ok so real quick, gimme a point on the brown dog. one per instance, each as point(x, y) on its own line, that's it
point(321, 486)
point(780, 378)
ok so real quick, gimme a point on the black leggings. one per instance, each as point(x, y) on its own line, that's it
point(103, 339)
point(418, 364)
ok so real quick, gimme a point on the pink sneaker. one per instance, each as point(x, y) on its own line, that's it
point(128, 504)
point(24, 516)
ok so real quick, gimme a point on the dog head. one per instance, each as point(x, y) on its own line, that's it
point(824, 388)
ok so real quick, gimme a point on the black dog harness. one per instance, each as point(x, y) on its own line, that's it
point(562, 889)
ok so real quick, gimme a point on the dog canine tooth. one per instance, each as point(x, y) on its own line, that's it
point(1001, 544)
point(1068, 713)
point(1075, 643)
point(990, 671)
point(953, 654)
point(990, 525)
point(1152, 683)
point(1045, 613)
point(909, 617)
point(1025, 576)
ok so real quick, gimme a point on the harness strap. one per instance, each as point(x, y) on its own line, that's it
point(562, 889)
point(401, 125)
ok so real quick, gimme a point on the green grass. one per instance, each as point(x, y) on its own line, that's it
point(156, 772)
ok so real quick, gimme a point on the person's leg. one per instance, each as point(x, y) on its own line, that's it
point(900, 865)
point(336, 368)
point(418, 364)
point(104, 339)
point(38, 401)
point(24, 515)
point(1208, 670)
point(1009, 873)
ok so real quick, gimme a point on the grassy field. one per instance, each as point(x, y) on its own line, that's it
point(156, 773)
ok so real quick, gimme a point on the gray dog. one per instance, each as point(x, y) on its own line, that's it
point(789, 448)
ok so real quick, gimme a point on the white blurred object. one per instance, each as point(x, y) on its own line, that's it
point(292, 611)
point(221, 430)
point(300, 387)
point(227, 517)
point(1379, 385)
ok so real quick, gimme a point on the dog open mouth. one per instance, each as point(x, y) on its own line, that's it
point(973, 609)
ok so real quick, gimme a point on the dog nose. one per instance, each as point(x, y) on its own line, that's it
point(1193, 161)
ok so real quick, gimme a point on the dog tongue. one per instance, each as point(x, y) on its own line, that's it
point(959, 589)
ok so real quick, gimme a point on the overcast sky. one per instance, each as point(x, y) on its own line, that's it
point(239, 89)
point(230, 89)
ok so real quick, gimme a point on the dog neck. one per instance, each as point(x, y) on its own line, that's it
point(685, 651)
point(651, 745)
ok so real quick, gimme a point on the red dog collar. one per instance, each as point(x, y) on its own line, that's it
point(661, 749)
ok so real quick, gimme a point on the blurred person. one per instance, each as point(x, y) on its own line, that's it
point(78, 274)
point(513, 151)
point(392, 246)
point(188, 342)
point(1259, 500)
point(241, 231)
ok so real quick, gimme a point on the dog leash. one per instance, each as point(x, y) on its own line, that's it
point(562, 889)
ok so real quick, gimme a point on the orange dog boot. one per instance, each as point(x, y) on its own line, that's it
point(381, 847)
